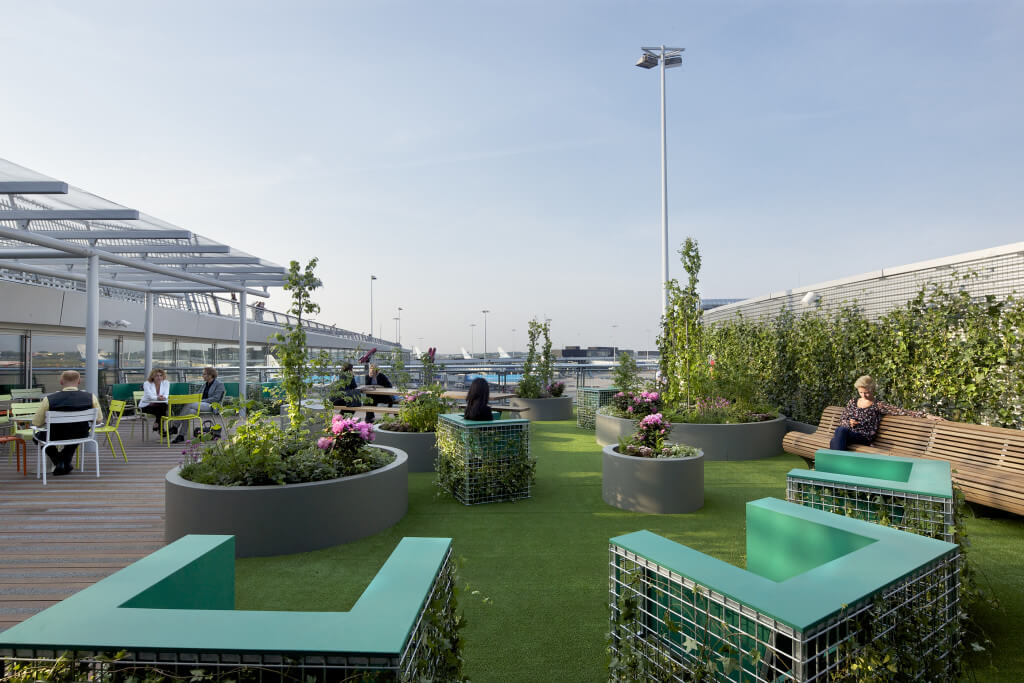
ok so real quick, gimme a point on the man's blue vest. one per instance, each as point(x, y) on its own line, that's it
point(69, 401)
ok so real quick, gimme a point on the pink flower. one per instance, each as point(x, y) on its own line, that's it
point(324, 442)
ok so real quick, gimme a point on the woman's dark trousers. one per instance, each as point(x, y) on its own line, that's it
point(845, 436)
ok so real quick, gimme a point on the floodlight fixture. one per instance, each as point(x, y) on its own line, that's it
point(647, 61)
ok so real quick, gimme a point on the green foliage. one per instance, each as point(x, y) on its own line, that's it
point(399, 375)
point(942, 352)
point(484, 464)
point(531, 384)
point(419, 410)
point(626, 375)
point(430, 372)
point(684, 368)
point(291, 345)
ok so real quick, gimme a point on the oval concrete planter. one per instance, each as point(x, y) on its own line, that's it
point(543, 409)
point(608, 429)
point(421, 447)
point(293, 518)
point(660, 486)
point(746, 441)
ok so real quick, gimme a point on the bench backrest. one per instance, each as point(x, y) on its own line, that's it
point(903, 435)
point(969, 445)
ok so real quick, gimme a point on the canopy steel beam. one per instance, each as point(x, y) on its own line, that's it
point(33, 187)
point(132, 234)
point(42, 241)
point(68, 214)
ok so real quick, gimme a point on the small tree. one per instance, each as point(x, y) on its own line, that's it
point(626, 376)
point(400, 374)
point(291, 345)
point(530, 385)
point(681, 340)
point(546, 367)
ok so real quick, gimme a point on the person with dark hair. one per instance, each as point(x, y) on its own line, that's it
point(374, 377)
point(344, 392)
point(476, 401)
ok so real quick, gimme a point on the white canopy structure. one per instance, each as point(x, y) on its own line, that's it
point(50, 228)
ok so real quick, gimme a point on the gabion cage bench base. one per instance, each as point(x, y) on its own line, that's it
point(910, 494)
point(173, 612)
point(588, 400)
point(484, 461)
point(677, 614)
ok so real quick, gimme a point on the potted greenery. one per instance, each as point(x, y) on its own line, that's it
point(618, 419)
point(312, 483)
point(647, 473)
point(414, 429)
point(538, 394)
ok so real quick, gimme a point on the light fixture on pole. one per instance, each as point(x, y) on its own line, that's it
point(485, 312)
point(667, 57)
point(372, 278)
point(472, 338)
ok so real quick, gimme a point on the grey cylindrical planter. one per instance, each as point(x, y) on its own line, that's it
point(543, 409)
point(293, 518)
point(608, 429)
point(660, 486)
point(746, 441)
point(421, 447)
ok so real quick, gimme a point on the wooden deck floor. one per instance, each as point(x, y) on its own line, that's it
point(61, 538)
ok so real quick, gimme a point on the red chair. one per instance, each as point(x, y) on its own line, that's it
point(20, 453)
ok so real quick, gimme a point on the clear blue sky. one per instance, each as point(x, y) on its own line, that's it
point(505, 155)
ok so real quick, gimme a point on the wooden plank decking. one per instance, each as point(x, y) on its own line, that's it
point(58, 539)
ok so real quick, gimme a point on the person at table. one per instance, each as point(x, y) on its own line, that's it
point(376, 378)
point(860, 419)
point(344, 392)
point(68, 399)
point(213, 392)
point(154, 396)
point(476, 401)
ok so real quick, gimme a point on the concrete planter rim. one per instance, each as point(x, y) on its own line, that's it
point(175, 477)
point(613, 449)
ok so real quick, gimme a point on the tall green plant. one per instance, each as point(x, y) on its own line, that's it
point(546, 367)
point(683, 364)
point(400, 375)
point(530, 385)
point(626, 375)
point(291, 345)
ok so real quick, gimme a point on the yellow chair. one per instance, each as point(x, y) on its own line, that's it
point(34, 394)
point(113, 422)
point(21, 415)
point(180, 400)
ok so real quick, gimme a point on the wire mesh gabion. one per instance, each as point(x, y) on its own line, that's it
point(932, 516)
point(486, 463)
point(420, 659)
point(588, 400)
point(667, 627)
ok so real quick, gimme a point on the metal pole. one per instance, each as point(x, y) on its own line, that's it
point(372, 278)
point(92, 325)
point(243, 342)
point(148, 333)
point(664, 195)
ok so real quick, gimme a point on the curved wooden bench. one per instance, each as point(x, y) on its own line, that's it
point(987, 462)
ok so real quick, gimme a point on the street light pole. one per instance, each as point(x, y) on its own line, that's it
point(472, 338)
point(372, 278)
point(485, 312)
point(398, 333)
point(397, 324)
point(666, 58)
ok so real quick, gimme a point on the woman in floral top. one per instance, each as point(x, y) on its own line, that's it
point(859, 421)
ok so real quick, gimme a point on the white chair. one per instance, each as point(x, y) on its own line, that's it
point(64, 417)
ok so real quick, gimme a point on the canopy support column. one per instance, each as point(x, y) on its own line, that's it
point(92, 325)
point(149, 334)
point(243, 341)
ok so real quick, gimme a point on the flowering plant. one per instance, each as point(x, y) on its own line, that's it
point(637, 404)
point(555, 389)
point(418, 410)
point(347, 435)
point(649, 440)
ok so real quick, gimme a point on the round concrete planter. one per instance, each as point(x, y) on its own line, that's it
point(544, 409)
point(608, 430)
point(421, 447)
point(746, 441)
point(660, 486)
point(293, 518)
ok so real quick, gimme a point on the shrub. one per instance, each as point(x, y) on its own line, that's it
point(626, 375)
point(649, 440)
point(419, 411)
point(555, 389)
point(627, 404)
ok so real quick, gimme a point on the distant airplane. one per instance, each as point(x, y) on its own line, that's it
point(465, 353)
point(102, 361)
point(502, 353)
point(416, 352)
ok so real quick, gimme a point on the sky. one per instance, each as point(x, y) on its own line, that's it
point(505, 155)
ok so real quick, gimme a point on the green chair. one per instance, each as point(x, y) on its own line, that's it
point(180, 388)
point(33, 394)
point(113, 422)
point(21, 419)
point(179, 400)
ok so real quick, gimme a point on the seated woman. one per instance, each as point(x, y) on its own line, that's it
point(476, 401)
point(860, 419)
point(154, 396)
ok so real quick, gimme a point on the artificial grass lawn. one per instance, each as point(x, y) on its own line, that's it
point(541, 565)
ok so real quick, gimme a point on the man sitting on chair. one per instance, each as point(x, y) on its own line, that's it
point(70, 398)
point(213, 392)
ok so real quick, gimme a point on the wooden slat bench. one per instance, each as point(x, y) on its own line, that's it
point(367, 409)
point(987, 462)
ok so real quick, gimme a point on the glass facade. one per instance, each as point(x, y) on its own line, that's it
point(12, 365)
